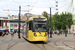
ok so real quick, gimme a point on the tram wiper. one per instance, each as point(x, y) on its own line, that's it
point(39, 32)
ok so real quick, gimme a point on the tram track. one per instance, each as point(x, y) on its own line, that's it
point(10, 45)
point(55, 42)
point(45, 48)
point(3, 39)
point(37, 44)
point(42, 47)
point(52, 46)
point(67, 44)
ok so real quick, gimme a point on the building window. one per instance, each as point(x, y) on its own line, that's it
point(11, 25)
point(15, 26)
point(20, 26)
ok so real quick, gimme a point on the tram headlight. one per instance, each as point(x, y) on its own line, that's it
point(45, 34)
point(35, 34)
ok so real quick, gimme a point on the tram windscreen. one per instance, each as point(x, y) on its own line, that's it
point(40, 26)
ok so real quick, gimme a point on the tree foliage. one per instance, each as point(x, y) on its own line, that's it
point(58, 21)
point(69, 20)
point(73, 21)
point(45, 14)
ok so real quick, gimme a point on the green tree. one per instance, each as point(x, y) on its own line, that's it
point(52, 26)
point(62, 20)
point(73, 21)
point(45, 14)
point(57, 21)
point(69, 20)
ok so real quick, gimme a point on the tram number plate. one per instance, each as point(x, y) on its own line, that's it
point(40, 35)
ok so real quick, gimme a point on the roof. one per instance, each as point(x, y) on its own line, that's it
point(16, 21)
point(36, 17)
point(4, 17)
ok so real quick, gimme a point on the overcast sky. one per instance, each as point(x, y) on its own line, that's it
point(36, 6)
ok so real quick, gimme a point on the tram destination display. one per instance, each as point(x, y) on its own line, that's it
point(39, 19)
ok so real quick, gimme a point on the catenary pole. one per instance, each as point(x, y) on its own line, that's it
point(50, 25)
point(65, 26)
point(19, 22)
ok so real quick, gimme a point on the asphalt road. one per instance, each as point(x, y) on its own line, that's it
point(55, 43)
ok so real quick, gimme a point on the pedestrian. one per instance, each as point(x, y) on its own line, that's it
point(6, 33)
point(57, 32)
point(74, 33)
point(3, 33)
point(66, 33)
point(12, 34)
point(53, 33)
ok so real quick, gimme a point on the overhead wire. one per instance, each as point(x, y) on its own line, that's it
point(70, 9)
point(63, 4)
point(19, 3)
point(36, 11)
point(69, 6)
point(7, 6)
point(65, 7)
point(34, 3)
point(73, 9)
point(61, 1)
point(51, 4)
point(26, 6)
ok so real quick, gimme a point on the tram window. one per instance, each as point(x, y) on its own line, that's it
point(29, 25)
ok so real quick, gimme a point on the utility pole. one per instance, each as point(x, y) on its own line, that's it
point(19, 18)
point(19, 22)
point(65, 26)
point(50, 24)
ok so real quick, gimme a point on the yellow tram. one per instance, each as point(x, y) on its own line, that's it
point(36, 29)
